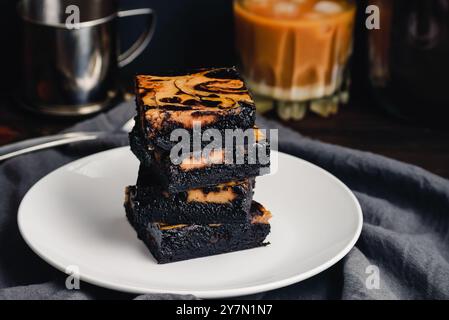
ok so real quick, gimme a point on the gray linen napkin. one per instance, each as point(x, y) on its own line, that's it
point(405, 236)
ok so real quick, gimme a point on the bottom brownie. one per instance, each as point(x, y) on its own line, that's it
point(170, 243)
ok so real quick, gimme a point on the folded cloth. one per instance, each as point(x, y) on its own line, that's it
point(404, 241)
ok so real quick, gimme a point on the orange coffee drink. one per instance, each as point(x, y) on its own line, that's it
point(294, 50)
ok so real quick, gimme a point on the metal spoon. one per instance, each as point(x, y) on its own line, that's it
point(35, 144)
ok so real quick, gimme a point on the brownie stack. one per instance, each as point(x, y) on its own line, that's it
point(196, 205)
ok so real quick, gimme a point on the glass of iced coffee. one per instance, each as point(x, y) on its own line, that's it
point(295, 53)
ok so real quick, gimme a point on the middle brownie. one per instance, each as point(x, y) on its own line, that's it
point(210, 171)
point(225, 203)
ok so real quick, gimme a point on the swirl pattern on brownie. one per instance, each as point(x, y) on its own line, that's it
point(218, 88)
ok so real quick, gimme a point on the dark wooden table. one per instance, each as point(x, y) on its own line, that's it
point(371, 129)
point(367, 129)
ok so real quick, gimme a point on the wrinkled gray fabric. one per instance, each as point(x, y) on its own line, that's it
point(404, 237)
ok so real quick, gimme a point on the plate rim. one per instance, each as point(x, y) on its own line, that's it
point(206, 294)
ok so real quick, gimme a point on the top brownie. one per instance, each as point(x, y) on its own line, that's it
point(215, 98)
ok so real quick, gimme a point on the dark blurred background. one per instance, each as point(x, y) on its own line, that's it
point(200, 33)
point(189, 34)
point(185, 36)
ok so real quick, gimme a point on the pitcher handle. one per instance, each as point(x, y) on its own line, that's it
point(142, 42)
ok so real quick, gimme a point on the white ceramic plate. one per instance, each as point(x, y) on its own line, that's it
point(74, 217)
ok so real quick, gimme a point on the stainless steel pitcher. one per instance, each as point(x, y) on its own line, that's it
point(69, 66)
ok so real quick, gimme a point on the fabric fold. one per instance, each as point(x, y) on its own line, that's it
point(404, 241)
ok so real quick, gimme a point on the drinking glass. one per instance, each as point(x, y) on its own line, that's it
point(295, 53)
